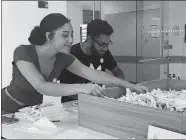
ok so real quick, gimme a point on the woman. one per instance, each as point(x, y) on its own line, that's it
point(37, 66)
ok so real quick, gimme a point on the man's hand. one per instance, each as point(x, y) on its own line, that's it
point(140, 89)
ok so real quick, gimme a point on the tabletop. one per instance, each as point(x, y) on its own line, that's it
point(68, 124)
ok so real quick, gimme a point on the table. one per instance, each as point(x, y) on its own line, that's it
point(70, 124)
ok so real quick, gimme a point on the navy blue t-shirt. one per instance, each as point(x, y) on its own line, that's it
point(97, 62)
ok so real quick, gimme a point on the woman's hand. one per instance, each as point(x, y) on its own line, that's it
point(140, 89)
point(94, 89)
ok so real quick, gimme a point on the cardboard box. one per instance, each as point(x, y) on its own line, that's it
point(159, 133)
point(126, 120)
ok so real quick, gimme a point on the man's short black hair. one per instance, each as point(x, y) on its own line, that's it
point(97, 27)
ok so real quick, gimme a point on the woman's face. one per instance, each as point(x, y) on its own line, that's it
point(63, 38)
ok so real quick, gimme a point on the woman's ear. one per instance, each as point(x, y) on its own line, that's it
point(48, 36)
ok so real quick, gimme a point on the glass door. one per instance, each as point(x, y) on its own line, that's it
point(121, 15)
point(151, 64)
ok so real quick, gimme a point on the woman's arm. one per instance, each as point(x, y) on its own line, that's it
point(101, 77)
point(34, 77)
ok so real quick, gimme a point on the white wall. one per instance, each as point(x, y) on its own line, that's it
point(18, 19)
point(109, 7)
point(151, 5)
point(75, 14)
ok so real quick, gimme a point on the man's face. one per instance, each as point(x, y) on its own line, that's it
point(100, 44)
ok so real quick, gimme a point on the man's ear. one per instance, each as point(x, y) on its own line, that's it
point(89, 38)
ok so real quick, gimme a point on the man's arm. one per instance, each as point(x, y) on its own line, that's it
point(112, 66)
point(101, 77)
point(118, 72)
point(96, 76)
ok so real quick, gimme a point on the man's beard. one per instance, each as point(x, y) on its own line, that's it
point(95, 52)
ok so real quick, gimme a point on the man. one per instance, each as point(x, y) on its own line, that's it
point(93, 53)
